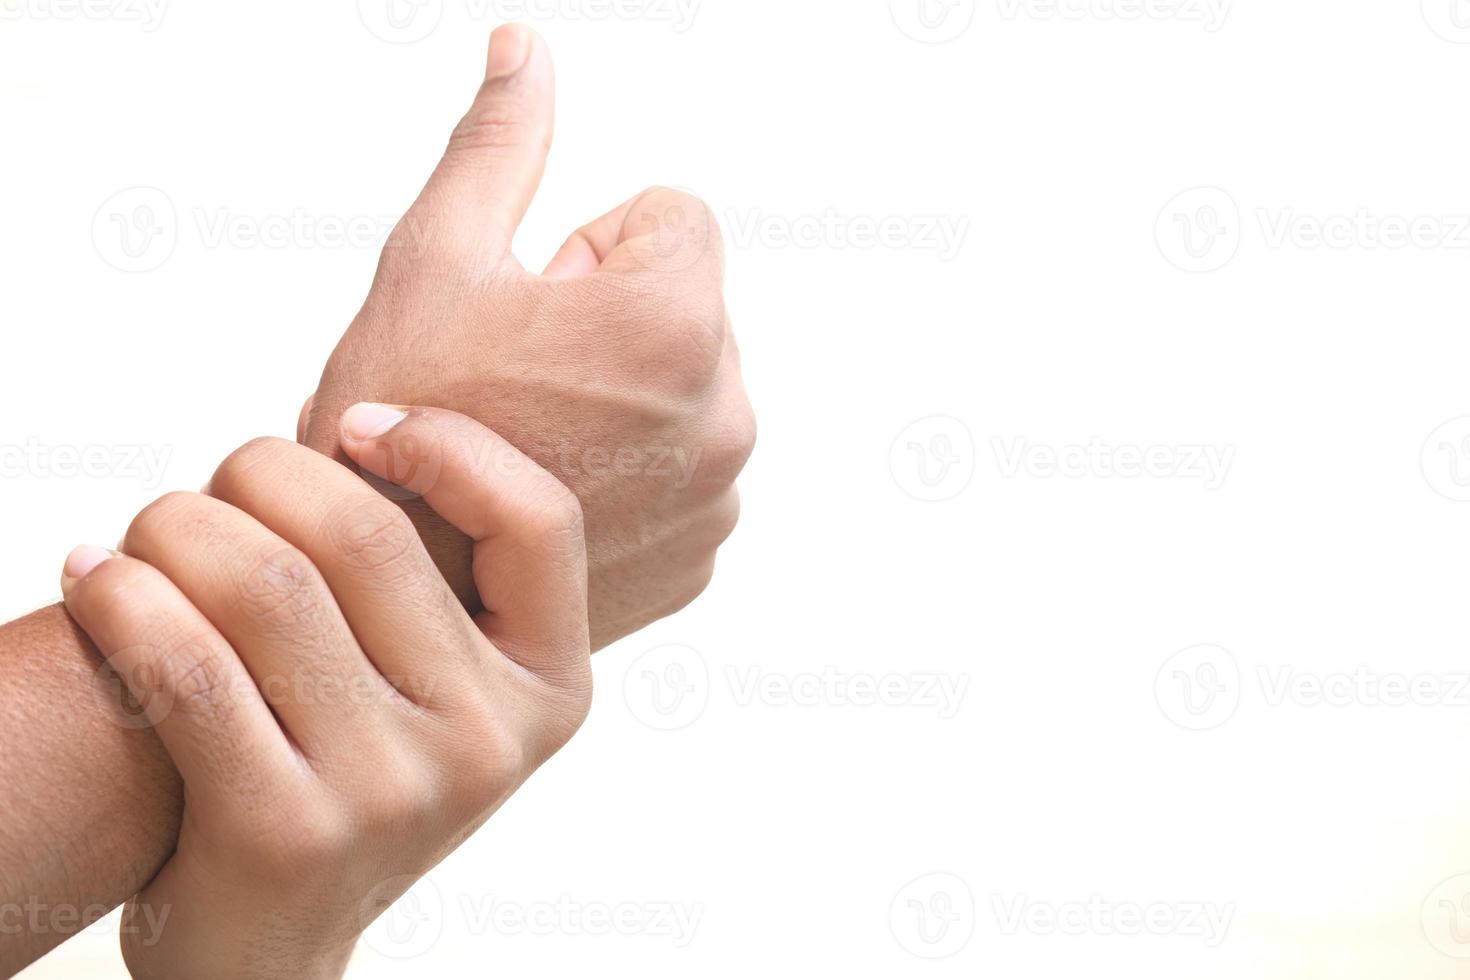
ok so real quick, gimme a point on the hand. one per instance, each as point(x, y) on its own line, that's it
point(615, 369)
point(340, 722)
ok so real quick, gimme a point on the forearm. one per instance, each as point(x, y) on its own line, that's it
point(91, 804)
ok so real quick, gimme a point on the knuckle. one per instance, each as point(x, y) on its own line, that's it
point(163, 510)
point(694, 584)
point(700, 581)
point(399, 789)
point(743, 432)
point(161, 519)
point(554, 516)
point(673, 330)
point(322, 842)
point(374, 536)
point(258, 451)
point(697, 323)
point(491, 764)
point(280, 589)
point(728, 447)
point(725, 517)
point(196, 673)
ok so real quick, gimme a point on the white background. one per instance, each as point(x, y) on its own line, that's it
point(827, 836)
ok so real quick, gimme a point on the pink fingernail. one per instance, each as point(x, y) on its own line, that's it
point(510, 48)
point(82, 560)
point(368, 420)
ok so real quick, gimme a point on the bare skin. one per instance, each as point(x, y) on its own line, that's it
point(615, 370)
point(340, 722)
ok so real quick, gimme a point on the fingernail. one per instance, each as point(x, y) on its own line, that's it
point(82, 560)
point(368, 420)
point(510, 48)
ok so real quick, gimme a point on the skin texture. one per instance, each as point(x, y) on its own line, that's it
point(615, 369)
point(341, 723)
point(91, 801)
point(607, 369)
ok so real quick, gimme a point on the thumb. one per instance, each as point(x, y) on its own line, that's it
point(481, 189)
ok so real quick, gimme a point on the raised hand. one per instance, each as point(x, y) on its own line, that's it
point(615, 368)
